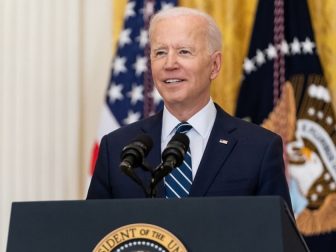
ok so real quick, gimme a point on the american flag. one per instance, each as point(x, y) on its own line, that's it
point(130, 95)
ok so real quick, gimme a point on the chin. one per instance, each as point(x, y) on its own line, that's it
point(173, 101)
point(174, 96)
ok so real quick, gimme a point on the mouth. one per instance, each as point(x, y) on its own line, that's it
point(173, 81)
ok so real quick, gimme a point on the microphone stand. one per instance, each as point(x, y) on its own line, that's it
point(148, 168)
point(157, 175)
point(154, 181)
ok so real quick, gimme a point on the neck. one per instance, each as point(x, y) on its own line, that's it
point(183, 112)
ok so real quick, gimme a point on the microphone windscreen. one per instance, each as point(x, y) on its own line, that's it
point(181, 138)
point(146, 141)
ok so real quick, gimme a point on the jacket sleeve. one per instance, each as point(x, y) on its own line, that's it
point(272, 179)
point(100, 187)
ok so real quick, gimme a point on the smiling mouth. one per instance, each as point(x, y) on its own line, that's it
point(170, 81)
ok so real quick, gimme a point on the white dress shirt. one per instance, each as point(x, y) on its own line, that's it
point(202, 123)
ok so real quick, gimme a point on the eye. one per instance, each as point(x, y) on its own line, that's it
point(159, 53)
point(184, 52)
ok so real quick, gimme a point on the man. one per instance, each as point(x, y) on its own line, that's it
point(229, 157)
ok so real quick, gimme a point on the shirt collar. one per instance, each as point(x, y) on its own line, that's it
point(201, 122)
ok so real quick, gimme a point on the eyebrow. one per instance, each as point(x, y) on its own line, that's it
point(190, 47)
point(159, 48)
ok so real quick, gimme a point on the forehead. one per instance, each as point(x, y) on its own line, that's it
point(179, 28)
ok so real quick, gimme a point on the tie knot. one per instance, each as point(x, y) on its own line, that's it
point(183, 127)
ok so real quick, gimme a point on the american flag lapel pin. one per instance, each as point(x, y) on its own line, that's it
point(223, 141)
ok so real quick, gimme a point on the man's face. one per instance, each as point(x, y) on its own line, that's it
point(182, 66)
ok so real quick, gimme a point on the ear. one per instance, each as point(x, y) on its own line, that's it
point(216, 61)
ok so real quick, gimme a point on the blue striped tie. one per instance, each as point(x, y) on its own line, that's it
point(178, 182)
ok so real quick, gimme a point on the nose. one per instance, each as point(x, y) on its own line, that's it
point(171, 61)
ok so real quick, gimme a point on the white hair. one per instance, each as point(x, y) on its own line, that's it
point(214, 35)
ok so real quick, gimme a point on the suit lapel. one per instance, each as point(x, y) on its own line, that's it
point(219, 147)
point(153, 128)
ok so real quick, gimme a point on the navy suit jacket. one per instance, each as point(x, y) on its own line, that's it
point(249, 164)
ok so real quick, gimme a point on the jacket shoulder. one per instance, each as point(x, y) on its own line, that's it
point(130, 131)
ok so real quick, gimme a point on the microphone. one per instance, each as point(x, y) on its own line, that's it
point(174, 153)
point(172, 156)
point(133, 154)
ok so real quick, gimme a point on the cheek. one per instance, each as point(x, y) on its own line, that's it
point(154, 70)
point(201, 67)
point(155, 66)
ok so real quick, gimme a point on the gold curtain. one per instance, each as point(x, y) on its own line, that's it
point(235, 19)
point(324, 25)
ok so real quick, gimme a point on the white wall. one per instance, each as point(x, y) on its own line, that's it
point(54, 66)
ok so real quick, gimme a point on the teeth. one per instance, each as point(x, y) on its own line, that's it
point(172, 80)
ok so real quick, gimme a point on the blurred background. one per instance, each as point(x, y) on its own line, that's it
point(55, 65)
point(55, 59)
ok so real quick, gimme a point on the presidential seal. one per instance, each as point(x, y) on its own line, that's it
point(140, 237)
